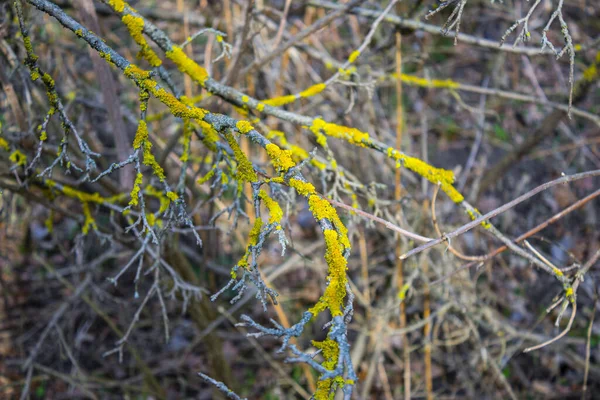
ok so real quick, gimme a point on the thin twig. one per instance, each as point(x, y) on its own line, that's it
point(500, 210)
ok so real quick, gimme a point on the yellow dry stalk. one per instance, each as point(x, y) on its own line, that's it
point(135, 25)
point(89, 221)
point(135, 191)
point(18, 158)
point(245, 170)
point(275, 211)
point(330, 351)
point(290, 98)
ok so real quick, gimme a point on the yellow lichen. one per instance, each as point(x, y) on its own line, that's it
point(476, 214)
point(290, 98)
point(206, 177)
point(29, 48)
point(253, 237)
point(117, 5)
point(321, 208)
point(177, 108)
point(570, 294)
point(76, 194)
point(245, 170)
point(353, 56)
point(151, 218)
point(403, 290)
point(187, 65)
point(211, 136)
point(330, 352)
point(105, 56)
point(172, 196)
point(260, 107)
point(444, 178)
point(18, 158)
point(187, 140)
point(303, 188)
point(351, 135)
point(135, 191)
point(4, 144)
point(333, 298)
point(134, 72)
point(591, 72)
point(140, 135)
point(49, 222)
point(275, 211)
point(160, 195)
point(244, 127)
point(313, 90)
point(281, 159)
point(428, 83)
point(150, 161)
point(141, 140)
point(280, 100)
point(135, 25)
point(50, 92)
point(89, 221)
